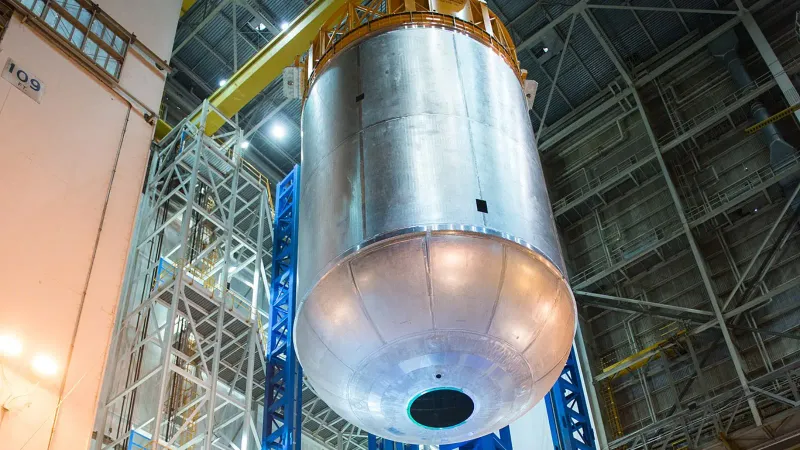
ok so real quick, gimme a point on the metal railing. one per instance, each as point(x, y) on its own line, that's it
point(645, 154)
point(685, 126)
point(628, 250)
point(138, 441)
point(762, 83)
point(753, 181)
point(726, 407)
point(611, 410)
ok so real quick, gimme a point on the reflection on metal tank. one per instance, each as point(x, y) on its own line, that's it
point(433, 302)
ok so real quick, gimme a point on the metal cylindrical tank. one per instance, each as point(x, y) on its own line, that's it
point(434, 306)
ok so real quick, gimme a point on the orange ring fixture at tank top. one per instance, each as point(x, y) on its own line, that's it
point(354, 22)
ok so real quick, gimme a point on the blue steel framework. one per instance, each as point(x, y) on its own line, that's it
point(570, 425)
point(283, 395)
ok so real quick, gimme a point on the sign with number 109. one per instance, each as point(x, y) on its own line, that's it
point(25, 81)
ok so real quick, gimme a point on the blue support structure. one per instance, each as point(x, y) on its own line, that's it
point(283, 395)
point(568, 412)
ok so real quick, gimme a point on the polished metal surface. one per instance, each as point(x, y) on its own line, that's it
point(405, 286)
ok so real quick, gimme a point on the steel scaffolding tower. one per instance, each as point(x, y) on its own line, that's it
point(186, 366)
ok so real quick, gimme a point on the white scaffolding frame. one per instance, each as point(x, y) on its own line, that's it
point(187, 340)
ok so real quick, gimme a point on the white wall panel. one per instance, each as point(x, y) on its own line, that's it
point(57, 160)
point(152, 21)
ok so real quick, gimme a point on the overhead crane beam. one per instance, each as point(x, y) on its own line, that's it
point(266, 65)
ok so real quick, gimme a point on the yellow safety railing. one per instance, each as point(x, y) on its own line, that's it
point(188, 395)
point(355, 20)
point(612, 414)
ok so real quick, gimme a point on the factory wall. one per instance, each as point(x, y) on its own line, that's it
point(71, 170)
point(624, 238)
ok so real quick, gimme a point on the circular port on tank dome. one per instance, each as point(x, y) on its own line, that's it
point(441, 408)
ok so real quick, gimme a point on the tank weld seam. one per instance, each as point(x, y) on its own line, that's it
point(324, 344)
point(469, 126)
point(410, 336)
point(361, 303)
point(411, 232)
point(429, 279)
point(470, 119)
point(556, 367)
point(313, 168)
point(500, 285)
point(547, 321)
point(362, 176)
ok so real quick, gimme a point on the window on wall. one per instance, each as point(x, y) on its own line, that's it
point(84, 28)
point(5, 17)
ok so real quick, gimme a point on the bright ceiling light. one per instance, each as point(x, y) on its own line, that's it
point(278, 131)
point(284, 26)
point(44, 365)
point(545, 49)
point(10, 346)
point(223, 82)
point(245, 145)
point(261, 26)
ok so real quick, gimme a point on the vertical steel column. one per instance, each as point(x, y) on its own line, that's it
point(225, 285)
point(592, 396)
point(701, 264)
point(771, 60)
point(283, 393)
point(251, 345)
point(131, 263)
point(169, 330)
point(568, 411)
point(555, 79)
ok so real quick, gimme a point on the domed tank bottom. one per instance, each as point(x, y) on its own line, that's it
point(429, 359)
